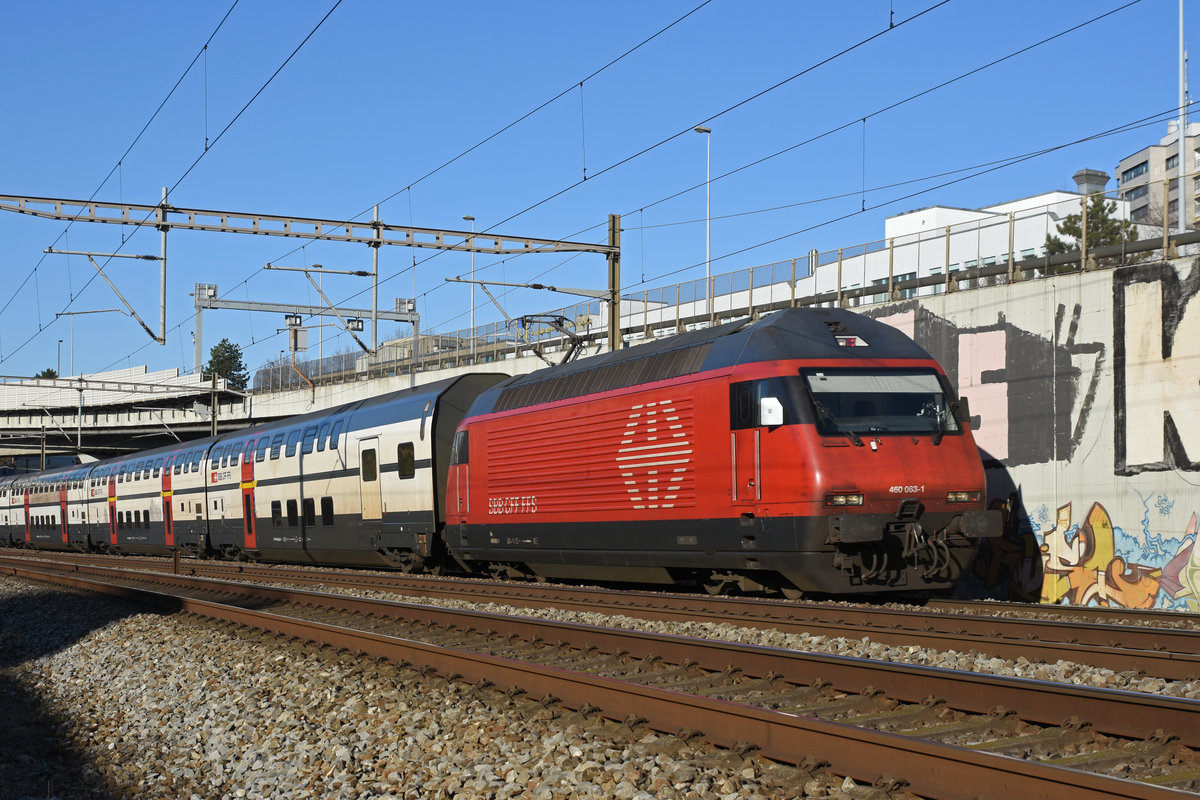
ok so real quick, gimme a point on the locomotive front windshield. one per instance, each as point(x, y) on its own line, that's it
point(880, 401)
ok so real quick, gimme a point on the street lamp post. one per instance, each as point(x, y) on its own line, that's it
point(707, 222)
point(471, 219)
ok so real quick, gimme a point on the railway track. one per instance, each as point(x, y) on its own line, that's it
point(929, 731)
point(1156, 643)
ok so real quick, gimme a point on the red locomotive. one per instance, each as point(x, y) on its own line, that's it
point(814, 451)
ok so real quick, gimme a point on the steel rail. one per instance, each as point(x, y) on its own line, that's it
point(1170, 653)
point(1114, 712)
point(930, 769)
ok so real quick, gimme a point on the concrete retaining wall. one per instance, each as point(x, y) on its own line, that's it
point(1085, 392)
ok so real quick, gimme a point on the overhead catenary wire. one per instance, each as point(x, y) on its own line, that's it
point(856, 120)
point(194, 163)
point(492, 136)
point(423, 261)
point(644, 151)
point(118, 167)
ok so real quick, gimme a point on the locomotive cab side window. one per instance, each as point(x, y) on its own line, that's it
point(460, 450)
point(406, 460)
point(767, 402)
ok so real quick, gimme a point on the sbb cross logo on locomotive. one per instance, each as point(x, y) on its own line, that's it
point(524, 504)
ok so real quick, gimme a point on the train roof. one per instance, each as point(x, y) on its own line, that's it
point(794, 333)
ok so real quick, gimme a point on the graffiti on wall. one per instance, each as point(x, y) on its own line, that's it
point(1156, 324)
point(1083, 565)
point(1036, 399)
point(1031, 396)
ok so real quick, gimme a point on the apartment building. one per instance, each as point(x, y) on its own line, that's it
point(1143, 176)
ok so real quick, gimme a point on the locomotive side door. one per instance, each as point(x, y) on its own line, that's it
point(747, 465)
point(368, 478)
point(247, 485)
point(744, 441)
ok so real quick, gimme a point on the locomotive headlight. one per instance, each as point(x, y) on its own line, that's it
point(962, 497)
point(832, 500)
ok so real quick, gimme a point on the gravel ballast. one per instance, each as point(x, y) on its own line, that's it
point(125, 703)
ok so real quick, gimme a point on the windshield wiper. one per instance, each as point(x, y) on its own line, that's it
point(941, 430)
point(930, 409)
point(825, 412)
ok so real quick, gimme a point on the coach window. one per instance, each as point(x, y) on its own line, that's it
point(137, 518)
point(263, 444)
point(276, 443)
point(326, 510)
point(321, 436)
point(249, 454)
point(293, 517)
point(406, 460)
point(310, 511)
point(370, 466)
point(276, 514)
point(335, 434)
point(306, 444)
point(158, 467)
point(293, 437)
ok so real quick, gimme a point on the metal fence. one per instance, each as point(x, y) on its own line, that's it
point(988, 249)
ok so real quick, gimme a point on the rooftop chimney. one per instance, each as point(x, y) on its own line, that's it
point(1091, 181)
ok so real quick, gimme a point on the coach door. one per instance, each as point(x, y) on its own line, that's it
point(62, 509)
point(28, 531)
point(247, 484)
point(168, 505)
point(368, 478)
point(112, 510)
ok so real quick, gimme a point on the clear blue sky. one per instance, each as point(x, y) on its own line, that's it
point(385, 92)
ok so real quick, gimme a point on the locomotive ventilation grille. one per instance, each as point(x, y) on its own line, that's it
point(606, 377)
point(633, 457)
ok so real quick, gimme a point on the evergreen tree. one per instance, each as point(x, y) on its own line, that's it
point(1102, 228)
point(48, 372)
point(225, 359)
